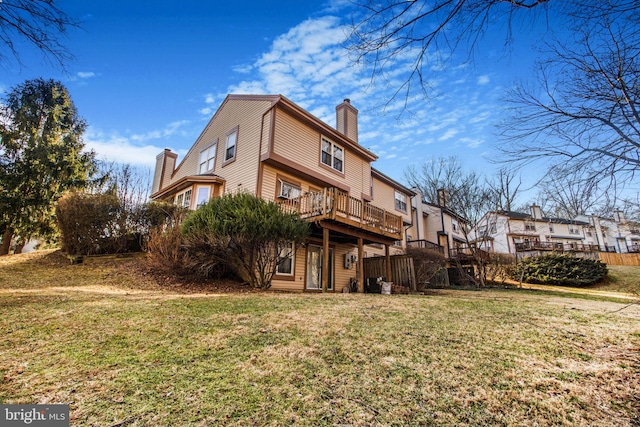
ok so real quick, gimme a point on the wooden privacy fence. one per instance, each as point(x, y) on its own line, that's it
point(402, 272)
point(612, 258)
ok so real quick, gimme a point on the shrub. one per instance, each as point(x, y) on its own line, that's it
point(246, 233)
point(99, 223)
point(165, 250)
point(563, 270)
point(427, 263)
point(88, 224)
point(499, 268)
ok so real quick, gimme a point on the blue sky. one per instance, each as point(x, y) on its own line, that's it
point(149, 75)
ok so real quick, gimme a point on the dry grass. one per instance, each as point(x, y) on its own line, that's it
point(89, 336)
point(622, 279)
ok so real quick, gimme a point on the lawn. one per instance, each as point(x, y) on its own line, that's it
point(121, 350)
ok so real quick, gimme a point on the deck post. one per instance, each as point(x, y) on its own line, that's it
point(361, 277)
point(325, 259)
point(324, 201)
point(387, 261)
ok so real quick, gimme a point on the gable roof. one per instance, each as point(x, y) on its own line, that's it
point(280, 101)
point(390, 181)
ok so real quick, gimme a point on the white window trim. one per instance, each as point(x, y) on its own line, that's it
point(199, 188)
point(210, 158)
point(231, 133)
point(291, 255)
point(402, 201)
point(332, 147)
point(281, 194)
point(181, 199)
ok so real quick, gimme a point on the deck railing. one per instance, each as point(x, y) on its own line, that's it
point(335, 204)
point(556, 246)
point(425, 244)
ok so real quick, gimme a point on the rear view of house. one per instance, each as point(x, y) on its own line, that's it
point(271, 147)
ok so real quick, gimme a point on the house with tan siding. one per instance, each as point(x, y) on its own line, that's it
point(436, 226)
point(271, 147)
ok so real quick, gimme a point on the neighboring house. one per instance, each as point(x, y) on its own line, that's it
point(517, 232)
point(271, 147)
point(616, 234)
point(437, 227)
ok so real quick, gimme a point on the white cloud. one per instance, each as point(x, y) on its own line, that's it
point(85, 74)
point(115, 148)
point(471, 142)
point(448, 134)
point(483, 80)
point(169, 130)
point(134, 149)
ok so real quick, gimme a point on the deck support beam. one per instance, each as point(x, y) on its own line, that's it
point(361, 277)
point(325, 259)
point(387, 262)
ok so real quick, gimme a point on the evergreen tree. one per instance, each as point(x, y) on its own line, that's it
point(41, 156)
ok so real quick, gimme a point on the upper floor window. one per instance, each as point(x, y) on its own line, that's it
point(401, 201)
point(207, 159)
point(529, 226)
point(454, 225)
point(573, 229)
point(493, 228)
point(550, 228)
point(288, 190)
point(230, 150)
point(332, 155)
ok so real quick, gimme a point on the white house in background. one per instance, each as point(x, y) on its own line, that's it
point(511, 232)
point(616, 234)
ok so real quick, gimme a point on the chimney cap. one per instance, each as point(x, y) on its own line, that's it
point(347, 100)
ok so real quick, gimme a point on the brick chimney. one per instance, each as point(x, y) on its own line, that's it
point(347, 120)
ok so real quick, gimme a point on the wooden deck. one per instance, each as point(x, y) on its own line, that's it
point(556, 247)
point(336, 205)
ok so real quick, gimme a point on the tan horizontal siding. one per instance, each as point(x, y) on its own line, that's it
point(241, 173)
point(384, 197)
point(301, 144)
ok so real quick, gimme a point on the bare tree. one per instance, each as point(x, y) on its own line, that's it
point(568, 195)
point(39, 23)
point(505, 185)
point(584, 113)
point(422, 33)
point(439, 173)
point(468, 199)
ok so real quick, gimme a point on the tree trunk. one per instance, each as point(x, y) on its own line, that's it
point(6, 241)
point(19, 246)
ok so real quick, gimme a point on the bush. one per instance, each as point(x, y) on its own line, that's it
point(100, 224)
point(244, 232)
point(563, 270)
point(427, 263)
point(88, 224)
point(165, 250)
